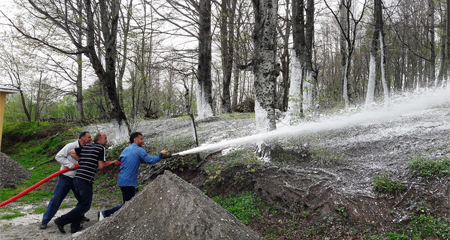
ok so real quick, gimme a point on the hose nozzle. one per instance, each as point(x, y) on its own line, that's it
point(168, 155)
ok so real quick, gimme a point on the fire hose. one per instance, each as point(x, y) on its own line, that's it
point(46, 179)
point(37, 185)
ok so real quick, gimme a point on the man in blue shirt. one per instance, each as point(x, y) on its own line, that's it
point(131, 158)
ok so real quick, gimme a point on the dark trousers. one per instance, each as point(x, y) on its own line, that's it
point(63, 186)
point(83, 193)
point(128, 193)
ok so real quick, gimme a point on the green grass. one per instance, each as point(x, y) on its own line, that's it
point(385, 183)
point(35, 149)
point(421, 226)
point(430, 167)
point(244, 206)
point(12, 216)
point(39, 210)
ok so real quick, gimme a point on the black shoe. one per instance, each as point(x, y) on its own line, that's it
point(60, 226)
point(76, 230)
point(85, 219)
point(43, 226)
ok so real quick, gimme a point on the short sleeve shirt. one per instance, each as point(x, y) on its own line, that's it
point(89, 155)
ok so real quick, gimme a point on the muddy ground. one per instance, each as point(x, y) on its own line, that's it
point(320, 186)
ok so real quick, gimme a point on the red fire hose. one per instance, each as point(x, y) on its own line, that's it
point(36, 185)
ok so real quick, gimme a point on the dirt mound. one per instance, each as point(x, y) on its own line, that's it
point(11, 172)
point(170, 208)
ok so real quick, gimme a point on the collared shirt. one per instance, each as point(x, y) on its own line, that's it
point(131, 158)
point(64, 158)
point(89, 155)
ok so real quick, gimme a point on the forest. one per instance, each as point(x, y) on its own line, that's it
point(125, 60)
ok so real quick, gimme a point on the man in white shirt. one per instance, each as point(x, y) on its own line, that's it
point(65, 181)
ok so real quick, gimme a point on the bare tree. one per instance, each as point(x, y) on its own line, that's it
point(16, 68)
point(242, 52)
point(99, 27)
point(227, 15)
point(284, 30)
point(348, 23)
point(184, 15)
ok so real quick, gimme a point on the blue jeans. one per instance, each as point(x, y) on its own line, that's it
point(63, 186)
point(128, 193)
point(83, 193)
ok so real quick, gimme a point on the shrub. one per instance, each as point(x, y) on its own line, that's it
point(384, 183)
point(430, 168)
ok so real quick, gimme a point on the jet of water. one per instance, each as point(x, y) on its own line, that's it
point(431, 98)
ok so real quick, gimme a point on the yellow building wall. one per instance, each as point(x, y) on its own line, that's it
point(2, 114)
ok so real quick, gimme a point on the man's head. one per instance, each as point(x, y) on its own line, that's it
point(137, 138)
point(100, 138)
point(85, 138)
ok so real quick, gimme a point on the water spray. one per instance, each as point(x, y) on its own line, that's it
point(437, 98)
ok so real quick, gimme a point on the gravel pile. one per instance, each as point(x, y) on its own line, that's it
point(11, 172)
point(170, 208)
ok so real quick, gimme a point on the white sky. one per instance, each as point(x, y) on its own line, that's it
point(6, 6)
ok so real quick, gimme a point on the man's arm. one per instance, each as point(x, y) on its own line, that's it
point(62, 156)
point(74, 154)
point(105, 164)
point(149, 159)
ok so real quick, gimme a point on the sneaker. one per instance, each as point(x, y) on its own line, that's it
point(60, 226)
point(100, 216)
point(43, 226)
point(85, 219)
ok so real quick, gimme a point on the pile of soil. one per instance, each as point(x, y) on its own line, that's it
point(170, 208)
point(11, 172)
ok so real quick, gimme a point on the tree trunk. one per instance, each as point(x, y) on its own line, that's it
point(377, 37)
point(126, 29)
point(24, 105)
point(227, 49)
point(299, 43)
point(79, 83)
point(38, 99)
point(79, 86)
point(234, 99)
point(432, 76)
point(343, 19)
point(443, 64)
point(295, 96)
point(448, 43)
point(309, 37)
point(285, 59)
point(204, 88)
point(383, 69)
point(264, 38)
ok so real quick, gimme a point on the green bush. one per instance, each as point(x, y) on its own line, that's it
point(429, 167)
point(244, 206)
point(384, 183)
point(424, 226)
